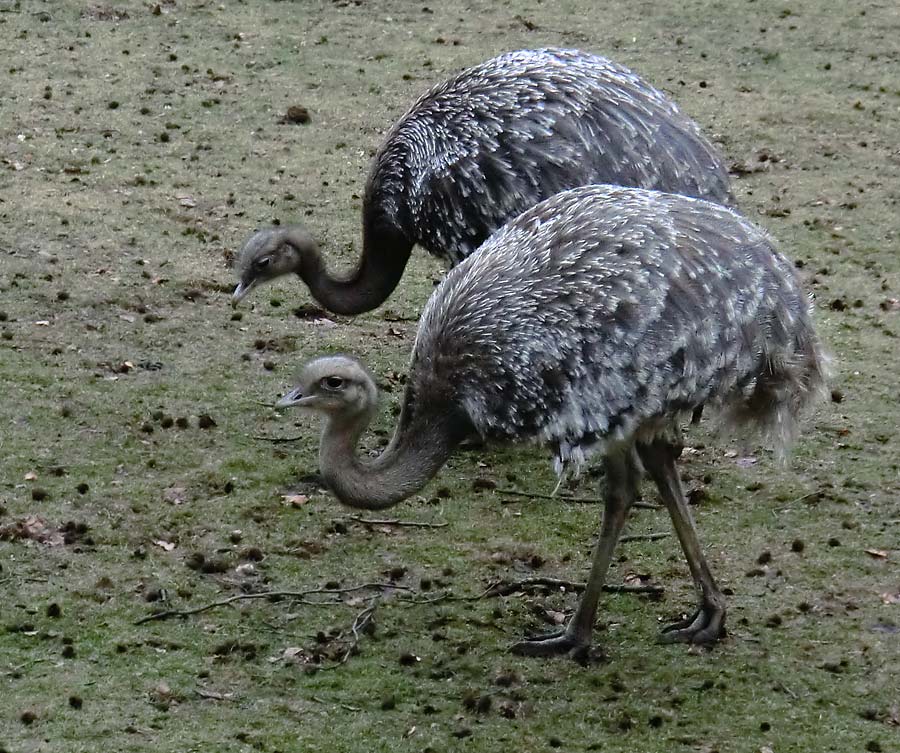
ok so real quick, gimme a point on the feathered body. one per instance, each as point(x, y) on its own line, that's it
point(497, 138)
point(607, 312)
point(592, 321)
point(484, 146)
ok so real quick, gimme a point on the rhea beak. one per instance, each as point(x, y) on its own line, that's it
point(294, 398)
point(240, 291)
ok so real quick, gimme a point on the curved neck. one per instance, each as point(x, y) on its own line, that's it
point(376, 275)
point(418, 450)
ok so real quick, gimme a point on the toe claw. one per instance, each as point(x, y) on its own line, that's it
point(705, 626)
point(555, 644)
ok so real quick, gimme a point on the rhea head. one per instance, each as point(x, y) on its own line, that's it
point(270, 253)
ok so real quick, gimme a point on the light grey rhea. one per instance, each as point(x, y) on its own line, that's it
point(594, 321)
point(485, 145)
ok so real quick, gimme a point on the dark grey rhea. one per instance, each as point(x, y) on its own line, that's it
point(484, 146)
point(593, 322)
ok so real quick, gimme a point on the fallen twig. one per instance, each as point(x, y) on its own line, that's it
point(276, 439)
point(300, 596)
point(346, 706)
point(360, 623)
point(212, 696)
point(407, 523)
point(643, 536)
point(504, 588)
point(564, 498)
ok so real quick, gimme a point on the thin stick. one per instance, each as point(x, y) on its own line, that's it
point(296, 595)
point(262, 438)
point(504, 588)
point(563, 498)
point(407, 523)
point(362, 620)
point(644, 537)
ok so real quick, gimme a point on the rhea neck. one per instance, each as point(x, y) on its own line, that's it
point(419, 448)
point(379, 269)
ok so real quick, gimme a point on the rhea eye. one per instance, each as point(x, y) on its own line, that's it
point(332, 383)
point(261, 263)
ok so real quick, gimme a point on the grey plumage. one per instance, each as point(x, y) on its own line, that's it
point(487, 144)
point(604, 312)
point(592, 322)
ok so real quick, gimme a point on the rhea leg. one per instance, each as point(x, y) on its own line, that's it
point(622, 476)
point(707, 624)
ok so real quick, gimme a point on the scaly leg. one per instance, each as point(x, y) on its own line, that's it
point(622, 476)
point(707, 624)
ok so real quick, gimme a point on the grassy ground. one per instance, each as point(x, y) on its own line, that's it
point(140, 143)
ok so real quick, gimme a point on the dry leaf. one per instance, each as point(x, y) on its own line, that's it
point(746, 462)
point(295, 500)
point(889, 598)
point(30, 476)
point(879, 554)
point(167, 545)
point(32, 527)
point(558, 618)
point(43, 323)
point(175, 495)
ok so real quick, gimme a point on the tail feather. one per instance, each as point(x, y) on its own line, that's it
point(788, 387)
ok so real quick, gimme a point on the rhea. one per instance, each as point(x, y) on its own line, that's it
point(480, 148)
point(593, 322)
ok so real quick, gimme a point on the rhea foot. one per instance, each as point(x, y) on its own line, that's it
point(560, 643)
point(705, 626)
